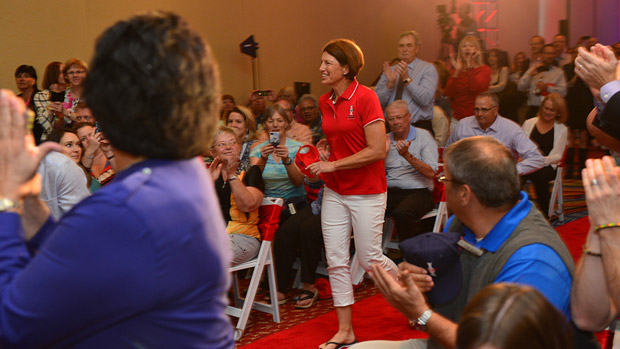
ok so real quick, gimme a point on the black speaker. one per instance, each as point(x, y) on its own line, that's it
point(249, 46)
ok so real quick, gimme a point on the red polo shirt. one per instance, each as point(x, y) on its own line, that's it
point(343, 125)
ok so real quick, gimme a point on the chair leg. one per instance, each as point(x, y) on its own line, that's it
point(442, 217)
point(557, 196)
point(273, 291)
point(252, 288)
point(236, 290)
point(561, 200)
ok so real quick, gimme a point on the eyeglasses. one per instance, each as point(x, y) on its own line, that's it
point(76, 72)
point(483, 110)
point(444, 179)
point(225, 144)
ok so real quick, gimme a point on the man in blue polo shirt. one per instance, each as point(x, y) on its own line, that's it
point(507, 238)
point(410, 166)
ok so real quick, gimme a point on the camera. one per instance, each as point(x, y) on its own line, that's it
point(263, 93)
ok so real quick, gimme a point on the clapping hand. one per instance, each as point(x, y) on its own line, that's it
point(389, 73)
point(403, 294)
point(597, 67)
point(19, 157)
point(403, 147)
point(601, 181)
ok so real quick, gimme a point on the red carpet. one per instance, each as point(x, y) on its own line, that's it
point(373, 318)
point(574, 236)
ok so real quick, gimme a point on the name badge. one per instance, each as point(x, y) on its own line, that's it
point(469, 247)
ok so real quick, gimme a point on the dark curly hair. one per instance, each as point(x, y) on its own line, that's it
point(154, 87)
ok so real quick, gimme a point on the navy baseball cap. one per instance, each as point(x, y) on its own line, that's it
point(438, 253)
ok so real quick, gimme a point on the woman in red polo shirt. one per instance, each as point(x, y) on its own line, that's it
point(355, 182)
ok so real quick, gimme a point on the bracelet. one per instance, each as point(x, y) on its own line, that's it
point(591, 253)
point(608, 225)
point(110, 157)
point(8, 204)
point(90, 157)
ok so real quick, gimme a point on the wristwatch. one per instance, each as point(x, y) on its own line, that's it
point(8, 204)
point(286, 163)
point(421, 322)
point(232, 178)
point(407, 80)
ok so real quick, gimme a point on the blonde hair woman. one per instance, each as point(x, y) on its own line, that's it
point(468, 79)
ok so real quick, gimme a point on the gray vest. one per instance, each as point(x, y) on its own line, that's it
point(479, 272)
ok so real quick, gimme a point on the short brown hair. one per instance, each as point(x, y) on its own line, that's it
point(413, 33)
point(346, 53)
point(512, 316)
point(154, 87)
point(275, 108)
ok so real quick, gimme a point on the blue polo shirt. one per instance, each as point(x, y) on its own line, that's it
point(536, 265)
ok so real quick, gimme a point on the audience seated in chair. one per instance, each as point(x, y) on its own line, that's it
point(548, 132)
point(240, 190)
point(410, 166)
point(296, 131)
point(276, 159)
point(240, 119)
point(487, 122)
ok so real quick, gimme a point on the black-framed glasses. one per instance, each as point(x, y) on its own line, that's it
point(444, 179)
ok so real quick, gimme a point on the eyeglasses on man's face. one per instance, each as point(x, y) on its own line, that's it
point(483, 110)
point(444, 179)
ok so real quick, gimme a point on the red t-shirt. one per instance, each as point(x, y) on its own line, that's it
point(464, 89)
point(343, 125)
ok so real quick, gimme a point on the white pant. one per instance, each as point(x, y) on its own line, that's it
point(363, 213)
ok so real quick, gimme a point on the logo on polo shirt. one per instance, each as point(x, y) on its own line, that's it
point(351, 116)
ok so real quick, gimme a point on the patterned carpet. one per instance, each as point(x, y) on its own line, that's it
point(261, 325)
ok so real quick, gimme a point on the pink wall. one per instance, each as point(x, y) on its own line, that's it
point(595, 17)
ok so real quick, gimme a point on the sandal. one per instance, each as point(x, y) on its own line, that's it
point(307, 295)
point(340, 345)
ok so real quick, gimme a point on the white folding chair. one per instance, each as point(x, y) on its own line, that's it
point(557, 196)
point(243, 306)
